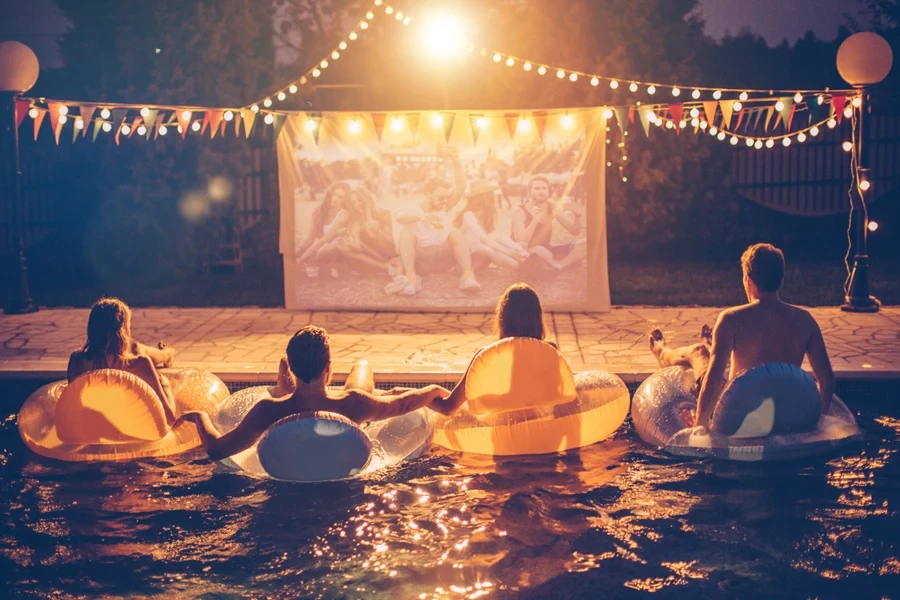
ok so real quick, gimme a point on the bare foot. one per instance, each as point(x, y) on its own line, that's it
point(657, 344)
point(706, 335)
point(171, 352)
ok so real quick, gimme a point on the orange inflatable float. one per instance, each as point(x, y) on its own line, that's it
point(111, 415)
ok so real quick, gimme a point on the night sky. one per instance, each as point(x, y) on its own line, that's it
point(37, 22)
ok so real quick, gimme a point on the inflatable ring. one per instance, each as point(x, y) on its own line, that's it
point(310, 447)
point(757, 410)
point(112, 415)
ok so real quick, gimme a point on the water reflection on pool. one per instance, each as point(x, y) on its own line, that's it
point(614, 520)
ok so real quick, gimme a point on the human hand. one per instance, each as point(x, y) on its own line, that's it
point(439, 392)
point(688, 417)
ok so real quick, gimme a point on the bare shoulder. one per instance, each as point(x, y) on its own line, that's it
point(803, 317)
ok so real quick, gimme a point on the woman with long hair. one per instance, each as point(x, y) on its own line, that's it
point(477, 219)
point(109, 346)
point(370, 242)
point(518, 314)
point(329, 223)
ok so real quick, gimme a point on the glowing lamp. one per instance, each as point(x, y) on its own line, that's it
point(527, 66)
point(323, 64)
point(310, 125)
point(573, 77)
point(365, 24)
point(595, 82)
point(801, 137)
point(786, 142)
point(141, 130)
point(779, 106)
point(254, 108)
point(864, 58)
point(676, 92)
point(497, 57)
point(316, 72)
point(607, 113)
point(269, 119)
point(63, 119)
point(510, 62)
point(185, 116)
point(695, 94)
point(633, 87)
point(613, 84)
point(560, 74)
point(814, 131)
point(481, 123)
point(523, 125)
point(750, 142)
point(335, 55)
point(437, 121)
point(542, 70)
point(228, 115)
point(848, 112)
point(342, 45)
point(33, 112)
point(770, 143)
point(281, 96)
point(872, 226)
point(163, 130)
point(267, 102)
point(721, 136)
point(737, 106)
point(832, 123)
point(354, 127)
point(79, 123)
point(651, 90)
point(352, 37)
point(717, 95)
point(195, 126)
point(734, 141)
point(370, 15)
point(864, 185)
point(568, 121)
point(19, 67)
point(758, 144)
point(857, 102)
point(743, 97)
point(847, 146)
point(695, 112)
point(145, 112)
point(293, 88)
point(104, 113)
point(798, 97)
point(396, 124)
point(107, 127)
point(389, 10)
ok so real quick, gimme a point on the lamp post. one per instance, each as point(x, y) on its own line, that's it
point(863, 60)
point(18, 73)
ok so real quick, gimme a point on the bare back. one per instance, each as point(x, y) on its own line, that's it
point(768, 332)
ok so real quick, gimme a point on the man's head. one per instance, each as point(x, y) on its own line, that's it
point(437, 190)
point(309, 354)
point(763, 266)
point(539, 189)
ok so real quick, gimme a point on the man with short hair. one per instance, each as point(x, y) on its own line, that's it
point(764, 331)
point(309, 358)
point(428, 240)
point(532, 226)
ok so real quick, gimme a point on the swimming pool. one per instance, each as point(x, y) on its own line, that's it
point(616, 519)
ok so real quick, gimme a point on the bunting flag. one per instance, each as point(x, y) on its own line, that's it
point(248, 116)
point(759, 113)
point(134, 126)
point(740, 118)
point(53, 108)
point(447, 119)
point(41, 113)
point(473, 125)
point(676, 109)
point(769, 112)
point(816, 110)
point(838, 101)
point(787, 112)
point(727, 107)
point(98, 125)
point(317, 119)
point(186, 123)
point(631, 114)
point(118, 131)
point(118, 116)
point(412, 120)
point(215, 121)
point(540, 122)
point(22, 107)
point(622, 117)
point(278, 125)
point(644, 115)
point(87, 113)
point(57, 130)
point(709, 109)
point(75, 131)
point(205, 122)
point(791, 117)
point(150, 122)
point(237, 122)
point(512, 121)
point(378, 122)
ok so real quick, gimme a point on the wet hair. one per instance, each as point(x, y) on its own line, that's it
point(309, 353)
point(433, 183)
point(519, 313)
point(108, 332)
point(484, 207)
point(764, 265)
point(538, 178)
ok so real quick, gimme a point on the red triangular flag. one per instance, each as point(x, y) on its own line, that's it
point(42, 112)
point(512, 121)
point(378, 122)
point(215, 120)
point(87, 113)
point(709, 109)
point(727, 107)
point(183, 122)
point(22, 106)
point(448, 119)
point(413, 120)
point(838, 101)
point(676, 109)
point(540, 122)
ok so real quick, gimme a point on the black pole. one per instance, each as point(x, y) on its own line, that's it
point(20, 302)
point(858, 298)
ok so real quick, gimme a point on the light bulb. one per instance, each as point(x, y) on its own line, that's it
point(179, 128)
point(79, 123)
point(568, 121)
point(354, 127)
point(542, 70)
point(269, 119)
point(737, 106)
point(316, 72)
point(33, 113)
point(437, 121)
point(145, 112)
point(633, 87)
point(798, 97)
point(523, 125)
point(228, 115)
point(695, 112)
point(758, 144)
point(573, 77)
point(324, 64)
point(254, 108)
point(352, 37)
point(481, 123)
point(63, 119)
point(281, 96)
point(64, 110)
point(497, 57)
point(163, 130)
point(847, 146)
point(365, 24)
point(335, 55)
point(703, 125)
point(141, 130)
point(624, 158)
point(676, 92)
point(407, 20)
point(105, 113)
point(186, 115)
point(801, 137)
point(814, 131)
point(695, 94)
point(510, 62)
point(770, 143)
point(399, 16)
point(820, 99)
point(342, 45)
point(872, 226)
point(595, 82)
point(857, 102)
point(624, 180)
point(779, 106)
point(713, 130)
point(310, 125)
point(370, 15)
point(749, 142)
point(717, 95)
point(613, 84)
point(267, 102)
point(560, 74)
point(864, 185)
point(527, 66)
point(107, 127)
point(389, 10)
point(607, 113)
point(848, 112)
point(651, 90)
point(743, 97)
point(832, 123)
point(721, 136)
point(293, 88)
point(396, 124)
point(734, 141)
point(126, 129)
point(379, 2)
point(786, 142)
point(670, 125)
point(682, 124)
point(196, 124)
point(695, 123)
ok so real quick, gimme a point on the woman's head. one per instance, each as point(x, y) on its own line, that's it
point(519, 313)
point(484, 207)
point(108, 330)
point(361, 203)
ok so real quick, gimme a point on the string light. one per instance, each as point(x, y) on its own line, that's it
point(352, 37)
point(573, 77)
point(721, 136)
point(831, 123)
point(527, 66)
point(254, 108)
point(595, 82)
point(406, 21)
point(365, 24)
point(342, 45)
point(335, 55)
point(676, 92)
point(717, 95)
point(126, 129)
point(750, 142)
point(758, 144)
point(713, 131)
point(523, 125)
point(79, 123)
point(107, 127)
point(145, 112)
point(798, 97)
point(695, 112)
point(324, 64)
point(293, 88)
point(864, 185)
point(848, 112)
point(737, 106)
point(497, 57)
point(481, 122)
point(633, 87)
point(141, 130)
point(779, 106)
point(770, 143)
point(703, 125)
point(163, 130)
point(281, 96)
point(354, 127)
point(229, 115)
point(196, 124)
point(396, 124)
point(814, 131)
point(316, 72)
point(510, 62)
point(437, 120)
point(268, 101)
point(651, 90)
point(670, 125)
point(389, 10)
point(734, 141)
point(186, 115)
point(786, 142)
point(872, 226)
point(568, 121)
point(743, 97)
point(399, 16)
point(820, 99)
point(33, 113)
point(269, 119)
point(613, 84)
point(560, 74)
point(801, 137)
point(542, 70)
point(105, 113)
point(311, 125)
point(847, 146)
point(63, 119)
point(695, 94)
point(370, 15)
point(607, 113)
point(857, 102)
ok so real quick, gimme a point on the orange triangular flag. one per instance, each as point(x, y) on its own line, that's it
point(42, 112)
point(215, 120)
point(631, 114)
point(709, 109)
point(838, 101)
point(378, 122)
point(135, 125)
point(87, 113)
point(512, 121)
point(769, 112)
point(237, 123)
point(727, 107)
point(247, 116)
point(183, 122)
point(740, 118)
point(53, 108)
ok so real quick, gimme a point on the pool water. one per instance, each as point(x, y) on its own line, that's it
point(617, 519)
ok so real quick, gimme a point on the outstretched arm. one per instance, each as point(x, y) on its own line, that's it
point(449, 405)
point(459, 186)
point(821, 365)
point(362, 407)
point(569, 219)
point(240, 438)
point(723, 344)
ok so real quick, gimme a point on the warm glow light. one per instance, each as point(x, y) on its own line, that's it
point(510, 62)
point(407, 20)
point(267, 102)
point(864, 185)
point(310, 125)
point(743, 97)
point(568, 121)
point(786, 142)
point(186, 115)
point(370, 15)
point(750, 142)
point(104, 113)
point(633, 87)
point(527, 66)
point(670, 125)
point(721, 136)
point(779, 106)
point(848, 112)
point(63, 119)
point(497, 57)
point(847, 146)
point(676, 92)
point(437, 120)
point(523, 125)
point(651, 90)
point(734, 141)
point(607, 113)
point(695, 112)
point(770, 143)
point(542, 70)
point(254, 108)
point(352, 37)
point(399, 16)
point(695, 94)
point(365, 24)
point(64, 110)
point(107, 127)
point(872, 226)
point(196, 124)
point(444, 36)
point(857, 102)
point(378, 2)
point(145, 112)
point(573, 77)
point(354, 127)
point(481, 122)
point(820, 99)
point(801, 137)
point(79, 123)
point(737, 106)
point(613, 84)
point(832, 123)
point(269, 119)
point(814, 131)
point(293, 88)
point(33, 113)
point(758, 144)
point(335, 55)
point(163, 130)
point(713, 131)
point(396, 124)
point(324, 64)
point(316, 72)
point(228, 115)
point(798, 97)
point(126, 129)
point(595, 82)
point(342, 45)
point(389, 10)
point(560, 74)
point(141, 130)
point(282, 96)
point(717, 95)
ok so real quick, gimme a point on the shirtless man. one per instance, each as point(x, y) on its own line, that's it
point(428, 240)
point(765, 331)
point(532, 226)
point(309, 358)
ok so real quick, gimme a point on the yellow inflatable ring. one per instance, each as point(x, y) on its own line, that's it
point(111, 415)
point(528, 423)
